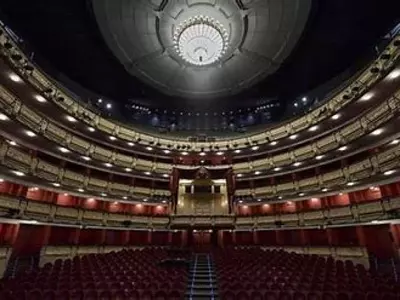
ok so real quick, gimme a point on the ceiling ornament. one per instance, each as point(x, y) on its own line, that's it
point(201, 40)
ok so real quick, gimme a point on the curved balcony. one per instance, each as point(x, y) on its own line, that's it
point(374, 73)
point(370, 121)
point(40, 207)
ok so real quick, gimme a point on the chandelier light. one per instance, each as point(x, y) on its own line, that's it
point(201, 40)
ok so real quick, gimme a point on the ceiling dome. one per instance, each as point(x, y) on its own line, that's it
point(201, 48)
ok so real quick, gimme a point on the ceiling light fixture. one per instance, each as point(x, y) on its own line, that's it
point(351, 183)
point(108, 165)
point(12, 143)
point(277, 169)
point(19, 173)
point(319, 157)
point(91, 129)
point(367, 97)
point(40, 98)
point(255, 148)
point(239, 175)
point(15, 77)
point(64, 150)
point(128, 169)
point(293, 137)
point(130, 144)
point(257, 172)
point(30, 133)
point(202, 154)
point(336, 117)
point(3, 117)
point(87, 158)
point(313, 128)
point(200, 40)
point(237, 151)
point(70, 119)
point(166, 151)
point(324, 190)
point(296, 164)
point(274, 143)
point(149, 148)
point(394, 74)
point(113, 138)
point(147, 173)
point(220, 153)
point(343, 148)
point(390, 172)
point(165, 175)
point(377, 131)
point(185, 153)
point(394, 142)
point(81, 190)
point(56, 184)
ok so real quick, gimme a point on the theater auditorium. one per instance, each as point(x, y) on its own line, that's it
point(200, 149)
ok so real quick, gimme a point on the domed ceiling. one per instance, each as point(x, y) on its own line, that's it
point(201, 48)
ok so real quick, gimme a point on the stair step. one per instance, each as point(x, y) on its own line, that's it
point(201, 276)
point(203, 281)
point(202, 273)
point(201, 293)
point(215, 297)
point(202, 287)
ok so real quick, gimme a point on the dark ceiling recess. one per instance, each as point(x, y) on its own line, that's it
point(65, 36)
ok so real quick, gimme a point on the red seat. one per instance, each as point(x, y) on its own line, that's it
point(174, 295)
point(271, 295)
point(160, 295)
point(228, 295)
point(242, 295)
point(35, 295)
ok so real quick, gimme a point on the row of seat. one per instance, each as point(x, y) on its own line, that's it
point(278, 272)
point(127, 274)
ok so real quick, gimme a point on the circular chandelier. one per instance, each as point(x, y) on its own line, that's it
point(201, 40)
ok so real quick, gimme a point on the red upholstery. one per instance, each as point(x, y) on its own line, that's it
point(128, 274)
point(280, 275)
